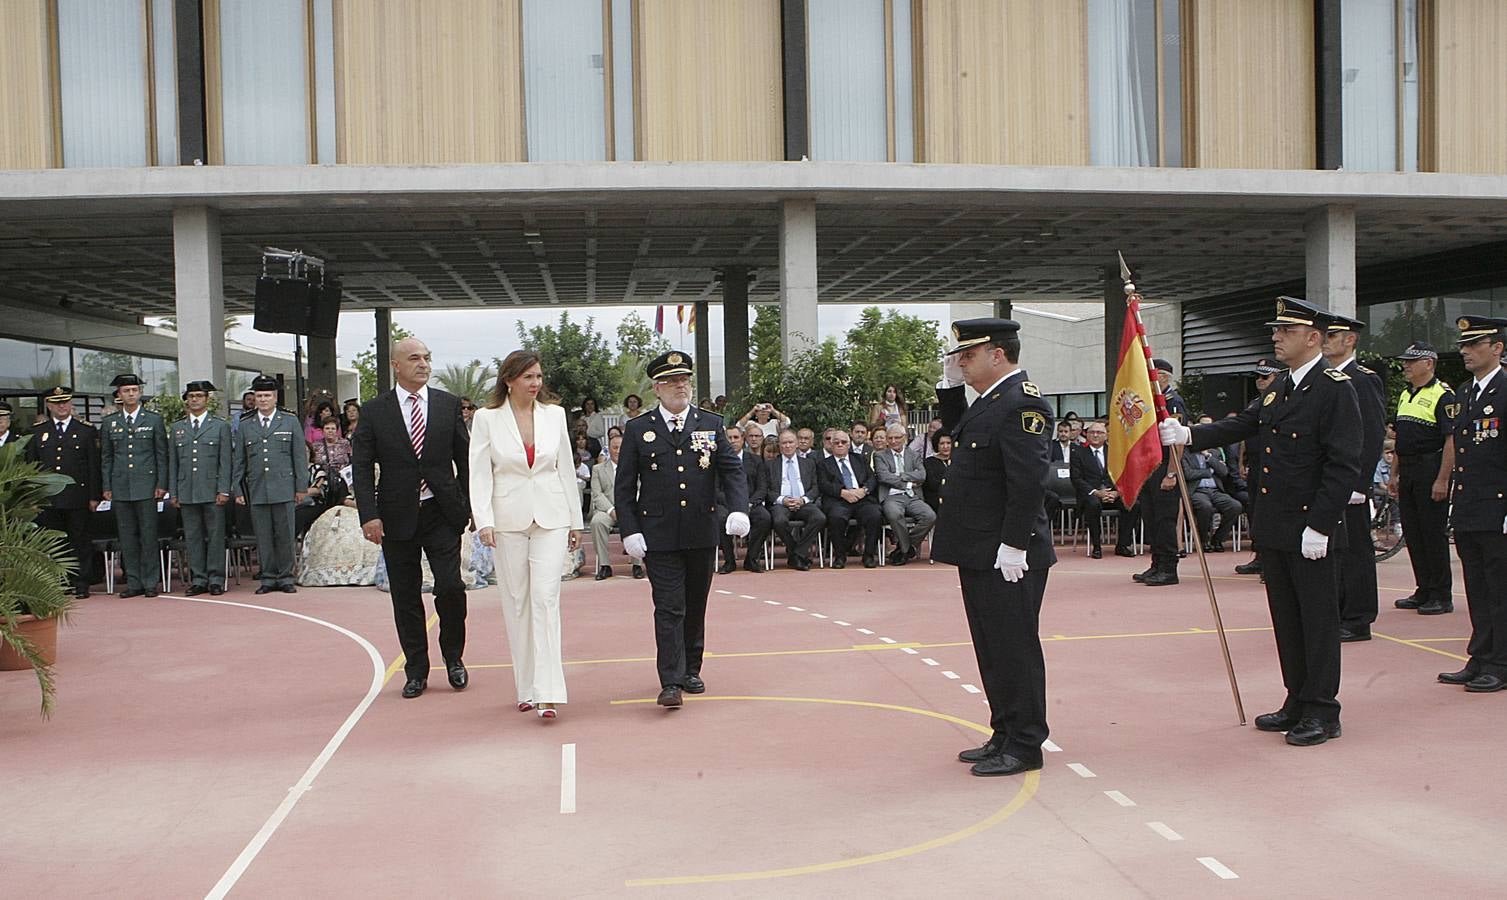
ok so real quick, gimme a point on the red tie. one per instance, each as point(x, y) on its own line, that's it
point(416, 433)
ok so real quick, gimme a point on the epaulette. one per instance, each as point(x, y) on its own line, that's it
point(1029, 389)
point(1336, 374)
point(1364, 369)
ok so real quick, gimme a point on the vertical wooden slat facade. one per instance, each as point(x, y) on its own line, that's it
point(709, 80)
point(27, 133)
point(1463, 50)
point(1001, 81)
point(1249, 84)
point(419, 82)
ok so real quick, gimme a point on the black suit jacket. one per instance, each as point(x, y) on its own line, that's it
point(1371, 394)
point(75, 455)
point(830, 479)
point(758, 487)
point(664, 493)
point(1480, 457)
point(774, 469)
point(381, 441)
point(1087, 474)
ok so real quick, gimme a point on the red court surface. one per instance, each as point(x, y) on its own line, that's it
point(202, 748)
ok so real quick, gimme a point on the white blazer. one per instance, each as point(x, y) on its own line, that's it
point(508, 495)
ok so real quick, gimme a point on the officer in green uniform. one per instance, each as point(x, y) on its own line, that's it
point(1425, 457)
point(133, 461)
point(270, 474)
point(199, 470)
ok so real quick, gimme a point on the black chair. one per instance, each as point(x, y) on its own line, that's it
point(170, 546)
point(104, 539)
point(240, 542)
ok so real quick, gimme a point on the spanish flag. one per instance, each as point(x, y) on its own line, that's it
point(1135, 450)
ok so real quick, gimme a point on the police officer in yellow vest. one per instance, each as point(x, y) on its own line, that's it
point(133, 460)
point(199, 470)
point(1425, 458)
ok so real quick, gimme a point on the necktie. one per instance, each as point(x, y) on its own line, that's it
point(266, 423)
point(675, 424)
point(847, 476)
point(62, 429)
point(791, 477)
point(196, 427)
point(1475, 394)
point(416, 433)
point(1099, 456)
point(900, 470)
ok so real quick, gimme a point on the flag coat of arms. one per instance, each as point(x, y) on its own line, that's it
point(1135, 450)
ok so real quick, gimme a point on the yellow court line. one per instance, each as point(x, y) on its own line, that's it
point(1420, 646)
point(401, 659)
point(1437, 640)
point(1027, 790)
point(856, 648)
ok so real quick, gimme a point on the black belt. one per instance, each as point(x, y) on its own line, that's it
point(1419, 456)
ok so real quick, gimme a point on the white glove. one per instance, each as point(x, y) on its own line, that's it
point(952, 371)
point(737, 524)
point(1010, 562)
point(635, 545)
point(1315, 545)
point(1357, 498)
point(1174, 432)
point(1504, 525)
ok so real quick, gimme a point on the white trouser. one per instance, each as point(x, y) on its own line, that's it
point(528, 575)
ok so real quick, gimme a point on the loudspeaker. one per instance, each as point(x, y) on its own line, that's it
point(324, 310)
point(283, 304)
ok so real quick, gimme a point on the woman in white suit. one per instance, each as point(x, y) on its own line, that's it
point(526, 504)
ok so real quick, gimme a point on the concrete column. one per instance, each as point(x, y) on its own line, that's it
point(735, 330)
point(1330, 233)
point(384, 348)
point(797, 278)
point(199, 286)
point(1114, 324)
point(703, 337)
point(322, 364)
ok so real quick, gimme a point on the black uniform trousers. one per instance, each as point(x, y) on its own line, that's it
point(437, 539)
point(1483, 563)
point(679, 581)
point(809, 518)
point(1303, 596)
point(1158, 509)
point(759, 523)
point(1357, 569)
point(75, 524)
point(1003, 619)
point(1425, 527)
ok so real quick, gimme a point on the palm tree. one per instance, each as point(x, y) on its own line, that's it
point(473, 381)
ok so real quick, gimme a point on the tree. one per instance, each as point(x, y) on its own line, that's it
point(576, 359)
point(764, 346)
point(890, 348)
point(815, 390)
point(473, 381)
point(365, 362)
point(635, 338)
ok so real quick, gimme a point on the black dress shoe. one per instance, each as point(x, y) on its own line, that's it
point(195, 591)
point(604, 573)
point(990, 748)
point(1251, 568)
point(265, 589)
point(899, 559)
point(800, 564)
point(840, 563)
point(754, 566)
point(694, 685)
point(414, 687)
point(871, 562)
point(456, 672)
point(1124, 551)
point(669, 697)
point(130, 593)
point(1485, 684)
point(1095, 553)
point(1142, 576)
point(726, 568)
point(1160, 579)
point(81, 593)
point(148, 593)
point(216, 590)
point(1004, 764)
point(1436, 608)
point(1464, 676)
point(1281, 720)
point(1411, 601)
point(1214, 547)
point(288, 589)
point(1355, 635)
point(1311, 731)
point(638, 571)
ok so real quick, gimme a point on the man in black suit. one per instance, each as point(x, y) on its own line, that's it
point(414, 439)
point(1358, 560)
point(848, 488)
point(795, 499)
point(992, 525)
point(673, 460)
point(69, 446)
point(758, 509)
point(1097, 492)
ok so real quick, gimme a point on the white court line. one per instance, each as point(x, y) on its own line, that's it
point(747, 597)
point(842, 623)
point(970, 688)
point(796, 608)
point(567, 778)
point(1217, 867)
point(721, 591)
point(930, 662)
point(1082, 770)
point(864, 631)
point(1162, 829)
point(771, 602)
point(817, 616)
point(887, 640)
point(1119, 798)
point(911, 650)
point(953, 675)
point(1050, 747)
point(306, 781)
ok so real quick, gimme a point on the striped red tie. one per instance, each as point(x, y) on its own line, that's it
point(416, 433)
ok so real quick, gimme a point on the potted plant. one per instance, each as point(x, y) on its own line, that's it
point(35, 564)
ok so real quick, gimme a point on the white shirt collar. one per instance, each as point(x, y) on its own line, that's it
point(685, 414)
point(195, 421)
point(1345, 362)
point(1482, 381)
point(422, 393)
point(1298, 374)
point(1000, 382)
point(131, 416)
point(63, 422)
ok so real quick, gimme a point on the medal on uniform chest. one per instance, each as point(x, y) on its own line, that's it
point(648, 437)
point(1487, 411)
point(45, 436)
point(704, 442)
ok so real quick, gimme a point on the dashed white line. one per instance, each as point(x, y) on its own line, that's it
point(930, 662)
point(953, 675)
point(864, 631)
point(796, 608)
point(567, 778)
point(970, 688)
point(1082, 770)
point(910, 650)
point(888, 640)
point(1217, 867)
point(1119, 798)
point(1162, 829)
point(817, 616)
point(747, 597)
point(721, 591)
point(842, 623)
point(771, 602)
point(1050, 747)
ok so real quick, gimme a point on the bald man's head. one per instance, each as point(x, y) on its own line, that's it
point(411, 364)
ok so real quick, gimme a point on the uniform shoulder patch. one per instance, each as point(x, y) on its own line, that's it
point(1364, 369)
point(1452, 410)
point(1336, 374)
point(1030, 389)
point(1033, 422)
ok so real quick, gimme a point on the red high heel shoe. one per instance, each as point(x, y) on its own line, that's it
point(525, 705)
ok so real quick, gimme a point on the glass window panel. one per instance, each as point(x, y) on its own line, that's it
point(31, 366)
point(1390, 327)
point(264, 82)
point(1122, 82)
point(1368, 84)
point(1172, 83)
point(324, 81)
point(1410, 85)
point(565, 94)
point(847, 80)
point(905, 86)
point(165, 82)
point(622, 79)
point(102, 63)
point(95, 369)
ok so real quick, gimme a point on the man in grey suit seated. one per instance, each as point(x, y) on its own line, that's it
point(901, 472)
point(604, 508)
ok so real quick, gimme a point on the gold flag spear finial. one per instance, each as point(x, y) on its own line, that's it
point(1125, 274)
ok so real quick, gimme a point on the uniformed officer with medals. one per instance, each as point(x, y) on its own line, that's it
point(1309, 427)
point(1479, 513)
point(672, 461)
point(1425, 458)
point(199, 471)
point(270, 473)
point(69, 446)
point(7, 434)
point(133, 460)
point(992, 524)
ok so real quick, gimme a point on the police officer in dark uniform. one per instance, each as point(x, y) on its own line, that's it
point(1266, 372)
point(199, 472)
point(1358, 559)
point(1425, 457)
point(8, 435)
point(1479, 514)
point(1310, 430)
point(133, 461)
point(69, 446)
point(1159, 500)
point(992, 524)
point(669, 469)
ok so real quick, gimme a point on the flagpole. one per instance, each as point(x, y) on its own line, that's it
point(1175, 461)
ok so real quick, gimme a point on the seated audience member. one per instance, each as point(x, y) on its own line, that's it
point(859, 435)
point(592, 445)
point(827, 442)
point(848, 486)
point(1203, 469)
point(333, 451)
point(1060, 490)
point(936, 468)
point(901, 472)
point(771, 451)
point(922, 443)
point(633, 407)
point(758, 508)
point(805, 439)
point(1096, 492)
point(795, 501)
point(1074, 426)
point(753, 441)
point(603, 509)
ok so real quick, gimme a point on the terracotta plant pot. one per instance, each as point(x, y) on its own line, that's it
point(43, 633)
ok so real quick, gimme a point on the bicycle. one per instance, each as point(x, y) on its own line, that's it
point(1386, 527)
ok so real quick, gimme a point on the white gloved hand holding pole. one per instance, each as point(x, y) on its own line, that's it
point(635, 545)
point(1173, 432)
point(1315, 545)
point(1357, 498)
point(1010, 562)
point(737, 524)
